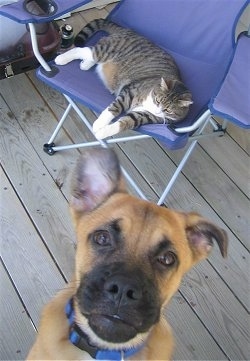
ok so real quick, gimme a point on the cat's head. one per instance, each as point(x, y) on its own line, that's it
point(173, 98)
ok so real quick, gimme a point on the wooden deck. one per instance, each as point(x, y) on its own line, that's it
point(209, 314)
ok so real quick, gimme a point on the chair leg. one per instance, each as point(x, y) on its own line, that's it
point(182, 163)
point(133, 184)
point(176, 173)
point(105, 145)
point(49, 147)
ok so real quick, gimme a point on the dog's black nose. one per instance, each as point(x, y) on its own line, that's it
point(123, 290)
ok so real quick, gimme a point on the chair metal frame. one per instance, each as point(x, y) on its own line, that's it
point(50, 148)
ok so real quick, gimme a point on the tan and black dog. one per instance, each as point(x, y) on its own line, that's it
point(130, 260)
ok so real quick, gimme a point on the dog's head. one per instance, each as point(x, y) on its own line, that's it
point(131, 254)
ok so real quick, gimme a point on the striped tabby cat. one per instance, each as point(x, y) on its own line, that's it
point(144, 78)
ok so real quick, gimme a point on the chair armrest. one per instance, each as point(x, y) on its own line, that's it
point(39, 11)
point(232, 99)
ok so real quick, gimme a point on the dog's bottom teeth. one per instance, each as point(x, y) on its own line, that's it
point(112, 328)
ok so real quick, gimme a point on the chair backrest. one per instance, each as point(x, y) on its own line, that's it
point(200, 29)
point(200, 34)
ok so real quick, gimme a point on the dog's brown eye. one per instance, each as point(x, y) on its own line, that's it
point(102, 238)
point(167, 259)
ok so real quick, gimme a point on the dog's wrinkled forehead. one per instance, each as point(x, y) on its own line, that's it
point(141, 223)
point(134, 222)
point(133, 231)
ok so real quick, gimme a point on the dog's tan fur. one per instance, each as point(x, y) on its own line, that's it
point(98, 197)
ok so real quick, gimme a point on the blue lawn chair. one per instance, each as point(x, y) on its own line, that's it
point(200, 34)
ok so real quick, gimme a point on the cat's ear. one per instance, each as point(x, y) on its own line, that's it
point(185, 103)
point(163, 84)
point(167, 84)
point(185, 100)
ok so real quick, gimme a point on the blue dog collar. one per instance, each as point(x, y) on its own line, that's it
point(78, 338)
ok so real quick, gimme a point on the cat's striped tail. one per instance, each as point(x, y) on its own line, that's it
point(92, 27)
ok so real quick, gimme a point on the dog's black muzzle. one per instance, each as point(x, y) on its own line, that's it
point(119, 302)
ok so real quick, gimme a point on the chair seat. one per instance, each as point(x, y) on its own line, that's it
point(71, 81)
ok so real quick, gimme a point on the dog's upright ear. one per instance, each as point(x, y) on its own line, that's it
point(97, 175)
point(201, 233)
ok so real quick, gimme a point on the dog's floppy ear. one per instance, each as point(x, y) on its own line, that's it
point(201, 233)
point(97, 175)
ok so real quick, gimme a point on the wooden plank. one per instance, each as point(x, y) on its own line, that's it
point(241, 136)
point(38, 192)
point(17, 336)
point(219, 310)
point(193, 341)
point(231, 158)
point(222, 194)
point(33, 114)
point(30, 265)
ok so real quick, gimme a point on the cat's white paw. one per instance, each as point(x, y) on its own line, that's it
point(87, 58)
point(68, 56)
point(104, 119)
point(61, 60)
point(84, 54)
point(86, 64)
point(108, 131)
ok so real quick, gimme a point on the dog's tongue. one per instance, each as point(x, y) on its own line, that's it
point(112, 328)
